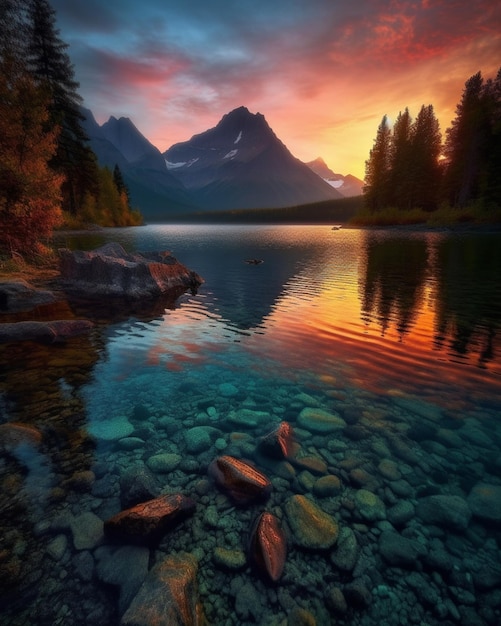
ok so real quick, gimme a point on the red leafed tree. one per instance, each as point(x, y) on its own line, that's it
point(30, 192)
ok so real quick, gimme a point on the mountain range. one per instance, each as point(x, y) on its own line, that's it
point(238, 164)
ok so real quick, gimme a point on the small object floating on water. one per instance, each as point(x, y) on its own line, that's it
point(337, 227)
point(254, 261)
point(268, 546)
point(241, 481)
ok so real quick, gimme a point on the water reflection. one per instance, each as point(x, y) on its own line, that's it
point(394, 280)
point(468, 304)
point(455, 278)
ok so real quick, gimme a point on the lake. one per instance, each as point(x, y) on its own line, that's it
point(381, 349)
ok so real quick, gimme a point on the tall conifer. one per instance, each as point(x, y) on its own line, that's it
point(377, 169)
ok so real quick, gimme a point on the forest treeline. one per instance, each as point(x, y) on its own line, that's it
point(410, 167)
point(48, 172)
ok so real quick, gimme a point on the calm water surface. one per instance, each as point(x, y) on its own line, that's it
point(396, 334)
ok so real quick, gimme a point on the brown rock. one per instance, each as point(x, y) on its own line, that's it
point(241, 481)
point(279, 444)
point(268, 546)
point(168, 596)
point(147, 522)
point(311, 527)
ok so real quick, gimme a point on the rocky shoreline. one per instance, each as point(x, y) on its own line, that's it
point(107, 274)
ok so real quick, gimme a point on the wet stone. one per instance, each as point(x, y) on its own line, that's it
point(318, 420)
point(268, 546)
point(485, 502)
point(125, 567)
point(369, 506)
point(87, 531)
point(57, 547)
point(389, 469)
point(227, 390)
point(168, 595)
point(241, 481)
point(444, 510)
point(345, 555)
point(163, 462)
point(301, 617)
point(311, 526)
point(327, 486)
point(398, 550)
point(229, 559)
point(401, 513)
point(248, 418)
point(147, 522)
point(111, 429)
point(198, 438)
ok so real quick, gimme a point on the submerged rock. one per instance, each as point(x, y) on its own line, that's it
point(146, 522)
point(168, 596)
point(111, 271)
point(485, 502)
point(279, 444)
point(311, 527)
point(242, 482)
point(319, 421)
point(268, 546)
point(444, 510)
point(15, 434)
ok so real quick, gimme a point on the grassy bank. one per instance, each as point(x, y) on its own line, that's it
point(441, 218)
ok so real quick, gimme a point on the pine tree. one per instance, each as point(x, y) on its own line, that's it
point(377, 169)
point(465, 146)
point(50, 64)
point(120, 183)
point(426, 147)
point(491, 183)
point(400, 161)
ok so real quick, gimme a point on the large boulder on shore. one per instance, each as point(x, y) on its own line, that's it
point(111, 271)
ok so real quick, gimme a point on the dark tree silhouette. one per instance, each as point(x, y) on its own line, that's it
point(377, 169)
point(51, 66)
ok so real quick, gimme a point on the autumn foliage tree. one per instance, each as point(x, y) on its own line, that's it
point(30, 191)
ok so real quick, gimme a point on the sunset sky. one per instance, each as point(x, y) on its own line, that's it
point(322, 72)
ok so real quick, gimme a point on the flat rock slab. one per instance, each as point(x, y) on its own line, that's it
point(18, 296)
point(56, 331)
point(111, 271)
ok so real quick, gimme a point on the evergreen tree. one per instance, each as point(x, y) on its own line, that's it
point(120, 183)
point(377, 169)
point(465, 146)
point(400, 162)
point(491, 184)
point(50, 64)
point(426, 146)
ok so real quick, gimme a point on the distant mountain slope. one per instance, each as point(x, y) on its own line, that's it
point(153, 189)
point(347, 186)
point(241, 164)
point(237, 165)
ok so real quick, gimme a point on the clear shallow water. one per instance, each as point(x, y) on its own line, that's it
point(398, 334)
